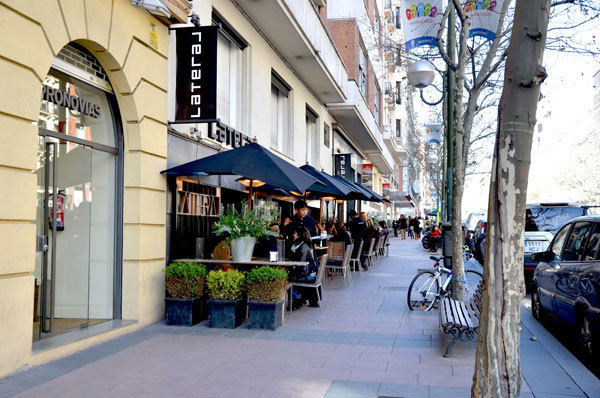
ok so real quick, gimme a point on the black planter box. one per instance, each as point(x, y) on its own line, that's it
point(185, 312)
point(265, 315)
point(226, 314)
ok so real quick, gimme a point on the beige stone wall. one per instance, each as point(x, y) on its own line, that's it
point(31, 33)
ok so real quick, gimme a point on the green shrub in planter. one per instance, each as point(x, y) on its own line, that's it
point(225, 285)
point(266, 284)
point(185, 280)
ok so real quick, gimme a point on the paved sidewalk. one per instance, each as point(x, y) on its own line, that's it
point(365, 344)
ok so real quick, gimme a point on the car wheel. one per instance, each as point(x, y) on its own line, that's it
point(536, 307)
point(585, 335)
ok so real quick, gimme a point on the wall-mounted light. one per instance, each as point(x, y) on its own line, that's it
point(154, 7)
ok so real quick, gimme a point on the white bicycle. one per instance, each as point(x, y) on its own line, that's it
point(429, 286)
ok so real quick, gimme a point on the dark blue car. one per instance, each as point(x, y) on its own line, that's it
point(566, 282)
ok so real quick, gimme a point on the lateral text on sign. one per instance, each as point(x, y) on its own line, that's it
point(343, 167)
point(196, 87)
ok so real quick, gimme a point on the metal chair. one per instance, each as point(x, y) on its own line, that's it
point(318, 283)
point(345, 266)
point(369, 254)
point(355, 261)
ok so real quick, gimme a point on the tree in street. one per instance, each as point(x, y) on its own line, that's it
point(497, 364)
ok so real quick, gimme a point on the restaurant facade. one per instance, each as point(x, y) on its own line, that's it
point(120, 95)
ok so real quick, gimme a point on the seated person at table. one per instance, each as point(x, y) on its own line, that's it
point(342, 234)
point(223, 252)
point(301, 250)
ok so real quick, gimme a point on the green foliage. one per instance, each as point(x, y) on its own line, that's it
point(266, 284)
point(225, 285)
point(185, 280)
point(252, 223)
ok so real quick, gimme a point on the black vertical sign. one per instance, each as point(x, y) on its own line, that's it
point(342, 166)
point(196, 87)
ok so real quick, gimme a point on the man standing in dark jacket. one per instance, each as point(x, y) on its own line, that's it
point(358, 230)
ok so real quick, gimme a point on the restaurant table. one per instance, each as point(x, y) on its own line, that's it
point(255, 261)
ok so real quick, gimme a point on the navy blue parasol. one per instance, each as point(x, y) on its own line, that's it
point(252, 161)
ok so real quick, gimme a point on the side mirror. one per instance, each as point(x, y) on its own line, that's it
point(543, 256)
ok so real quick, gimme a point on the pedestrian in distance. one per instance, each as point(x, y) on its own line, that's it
point(403, 226)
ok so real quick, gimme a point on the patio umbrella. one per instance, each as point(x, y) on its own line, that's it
point(367, 195)
point(329, 187)
point(253, 162)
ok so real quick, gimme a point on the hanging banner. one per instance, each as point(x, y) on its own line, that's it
point(343, 167)
point(196, 85)
point(433, 133)
point(484, 17)
point(421, 21)
point(367, 175)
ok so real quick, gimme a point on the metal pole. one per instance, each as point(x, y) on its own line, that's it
point(450, 108)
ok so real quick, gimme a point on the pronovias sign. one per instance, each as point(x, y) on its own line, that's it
point(73, 102)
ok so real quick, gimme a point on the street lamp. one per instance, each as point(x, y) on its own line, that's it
point(420, 75)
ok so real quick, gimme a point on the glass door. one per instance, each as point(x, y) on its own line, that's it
point(64, 194)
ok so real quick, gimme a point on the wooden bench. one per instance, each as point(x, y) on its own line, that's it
point(460, 319)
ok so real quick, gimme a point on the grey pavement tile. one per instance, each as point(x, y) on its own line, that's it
point(400, 342)
point(383, 377)
point(403, 391)
point(378, 342)
point(355, 365)
point(445, 392)
point(352, 389)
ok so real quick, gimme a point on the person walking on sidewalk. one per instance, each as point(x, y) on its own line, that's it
point(411, 227)
point(417, 225)
point(403, 226)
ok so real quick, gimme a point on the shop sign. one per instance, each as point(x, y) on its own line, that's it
point(196, 86)
point(367, 175)
point(228, 136)
point(385, 189)
point(343, 167)
point(74, 103)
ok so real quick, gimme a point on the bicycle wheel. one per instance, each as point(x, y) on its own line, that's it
point(472, 279)
point(423, 291)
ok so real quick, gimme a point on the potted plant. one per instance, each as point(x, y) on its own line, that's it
point(244, 229)
point(226, 307)
point(184, 282)
point(265, 287)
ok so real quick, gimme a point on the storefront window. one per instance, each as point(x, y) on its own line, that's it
point(77, 208)
point(87, 116)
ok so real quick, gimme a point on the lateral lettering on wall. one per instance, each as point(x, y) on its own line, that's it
point(228, 136)
point(343, 166)
point(196, 87)
point(63, 98)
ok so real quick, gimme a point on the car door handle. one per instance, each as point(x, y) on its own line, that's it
point(556, 266)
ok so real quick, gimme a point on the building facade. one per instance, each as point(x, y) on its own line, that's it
point(84, 119)
point(92, 114)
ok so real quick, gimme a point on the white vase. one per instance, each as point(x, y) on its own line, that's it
point(242, 248)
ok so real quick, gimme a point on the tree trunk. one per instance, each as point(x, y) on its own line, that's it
point(497, 364)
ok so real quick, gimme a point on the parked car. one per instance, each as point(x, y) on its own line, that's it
point(566, 282)
point(470, 224)
point(542, 221)
point(478, 240)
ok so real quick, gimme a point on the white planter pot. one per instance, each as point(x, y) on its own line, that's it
point(242, 248)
